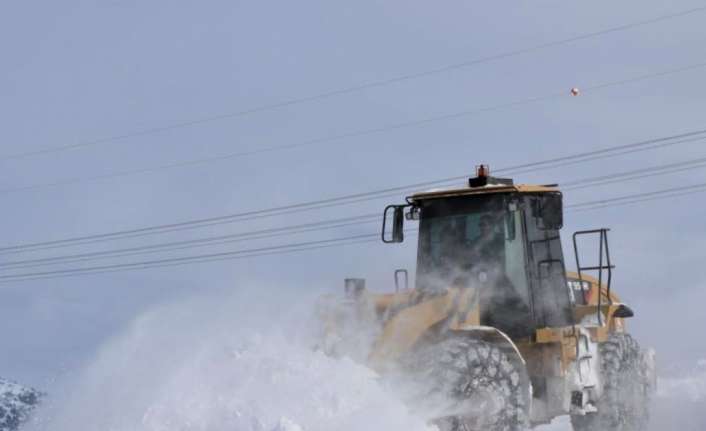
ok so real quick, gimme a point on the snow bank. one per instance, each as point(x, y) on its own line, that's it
point(16, 403)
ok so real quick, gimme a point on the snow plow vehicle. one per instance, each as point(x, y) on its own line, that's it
point(495, 333)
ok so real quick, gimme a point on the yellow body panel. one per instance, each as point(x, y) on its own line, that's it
point(608, 307)
point(406, 317)
point(405, 327)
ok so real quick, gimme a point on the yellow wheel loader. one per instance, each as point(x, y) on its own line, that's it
point(496, 334)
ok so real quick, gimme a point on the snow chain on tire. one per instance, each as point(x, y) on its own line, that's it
point(461, 371)
point(624, 403)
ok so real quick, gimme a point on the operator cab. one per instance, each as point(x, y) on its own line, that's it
point(500, 239)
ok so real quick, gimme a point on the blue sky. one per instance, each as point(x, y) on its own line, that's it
point(77, 71)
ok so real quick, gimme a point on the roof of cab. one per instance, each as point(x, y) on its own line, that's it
point(489, 189)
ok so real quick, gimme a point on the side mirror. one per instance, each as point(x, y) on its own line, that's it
point(551, 212)
point(397, 224)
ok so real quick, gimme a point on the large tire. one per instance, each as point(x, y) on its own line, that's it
point(624, 404)
point(473, 385)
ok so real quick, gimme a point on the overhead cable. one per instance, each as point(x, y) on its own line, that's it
point(357, 87)
point(349, 135)
point(356, 197)
point(286, 248)
point(651, 171)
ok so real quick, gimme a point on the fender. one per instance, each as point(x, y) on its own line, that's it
point(613, 317)
point(494, 336)
point(408, 325)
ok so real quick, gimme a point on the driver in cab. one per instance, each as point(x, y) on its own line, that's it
point(488, 247)
point(462, 257)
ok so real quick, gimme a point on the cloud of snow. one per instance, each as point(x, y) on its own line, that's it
point(680, 402)
point(690, 387)
point(240, 365)
point(247, 364)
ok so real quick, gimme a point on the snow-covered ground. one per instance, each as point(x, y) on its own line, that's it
point(240, 366)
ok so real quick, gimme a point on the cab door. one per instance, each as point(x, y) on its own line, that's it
point(550, 297)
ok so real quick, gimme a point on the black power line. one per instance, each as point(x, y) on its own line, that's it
point(200, 242)
point(323, 225)
point(289, 248)
point(91, 239)
point(238, 254)
point(357, 197)
point(695, 188)
point(645, 199)
point(358, 87)
point(652, 171)
point(352, 134)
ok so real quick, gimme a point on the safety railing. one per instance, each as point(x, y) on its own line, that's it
point(604, 266)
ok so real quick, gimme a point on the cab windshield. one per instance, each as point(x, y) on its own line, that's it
point(466, 242)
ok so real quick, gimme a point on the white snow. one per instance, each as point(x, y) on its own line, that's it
point(16, 403)
point(690, 387)
point(214, 366)
point(242, 366)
